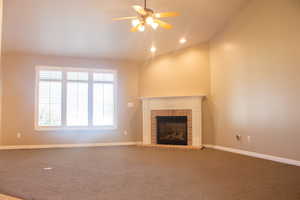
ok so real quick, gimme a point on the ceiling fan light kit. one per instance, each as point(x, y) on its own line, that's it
point(141, 28)
point(135, 22)
point(147, 17)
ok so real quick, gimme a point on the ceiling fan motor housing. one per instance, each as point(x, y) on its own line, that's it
point(149, 12)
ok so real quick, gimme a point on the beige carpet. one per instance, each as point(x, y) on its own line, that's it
point(136, 173)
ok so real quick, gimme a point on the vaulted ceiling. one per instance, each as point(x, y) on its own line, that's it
point(84, 28)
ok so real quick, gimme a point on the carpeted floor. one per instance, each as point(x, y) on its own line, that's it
point(136, 173)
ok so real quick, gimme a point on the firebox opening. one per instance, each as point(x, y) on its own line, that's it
point(172, 130)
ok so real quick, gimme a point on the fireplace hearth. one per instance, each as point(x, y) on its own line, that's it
point(172, 130)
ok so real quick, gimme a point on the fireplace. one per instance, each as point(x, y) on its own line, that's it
point(172, 130)
point(166, 110)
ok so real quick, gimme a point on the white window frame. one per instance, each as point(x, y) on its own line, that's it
point(90, 81)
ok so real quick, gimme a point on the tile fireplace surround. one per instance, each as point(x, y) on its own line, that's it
point(190, 106)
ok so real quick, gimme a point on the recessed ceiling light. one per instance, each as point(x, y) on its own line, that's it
point(48, 168)
point(153, 49)
point(182, 41)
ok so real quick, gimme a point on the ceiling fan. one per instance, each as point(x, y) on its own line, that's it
point(147, 16)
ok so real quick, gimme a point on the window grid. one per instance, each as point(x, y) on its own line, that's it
point(64, 91)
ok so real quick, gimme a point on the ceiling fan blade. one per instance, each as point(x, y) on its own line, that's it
point(124, 18)
point(166, 14)
point(139, 9)
point(163, 24)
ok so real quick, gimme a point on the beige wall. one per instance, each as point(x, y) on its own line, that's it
point(183, 72)
point(1, 15)
point(18, 102)
point(255, 67)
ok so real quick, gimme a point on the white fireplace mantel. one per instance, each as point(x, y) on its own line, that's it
point(193, 103)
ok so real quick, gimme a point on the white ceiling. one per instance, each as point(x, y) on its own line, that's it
point(84, 28)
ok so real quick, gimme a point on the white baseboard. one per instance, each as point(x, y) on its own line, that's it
point(49, 146)
point(254, 154)
point(232, 150)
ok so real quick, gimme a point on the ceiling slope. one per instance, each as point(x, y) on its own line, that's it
point(85, 28)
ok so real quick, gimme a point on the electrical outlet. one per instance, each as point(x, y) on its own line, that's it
point(238, 137)
point(19, 135)
point(125, 132)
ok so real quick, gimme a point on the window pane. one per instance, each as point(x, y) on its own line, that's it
point(103, 77)
point(50, 75)
point(49, 103)
point(78, 76)
point(103, 109)
point(77, 104)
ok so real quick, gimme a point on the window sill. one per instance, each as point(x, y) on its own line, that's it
point(75, 128)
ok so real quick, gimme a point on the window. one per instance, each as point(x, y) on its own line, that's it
point(72, 98)
point(77, 98)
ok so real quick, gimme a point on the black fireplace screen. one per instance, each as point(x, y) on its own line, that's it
point(172, 130)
